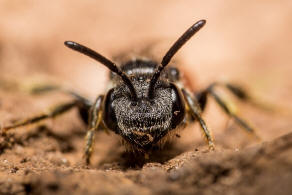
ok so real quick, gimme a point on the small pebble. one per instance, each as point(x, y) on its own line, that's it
point(14, 170)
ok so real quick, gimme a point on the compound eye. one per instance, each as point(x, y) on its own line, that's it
point(178, 106)
point(109, 116)
point(173, 74)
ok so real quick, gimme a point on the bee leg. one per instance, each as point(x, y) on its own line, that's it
point(201, 97)
point(229, 111)
point(242, 95)
point(195, 112)
point(83, 103)
point(235, 90)
point(39, 89)
point(227, 107)
point(95, 118)
point(51, 113)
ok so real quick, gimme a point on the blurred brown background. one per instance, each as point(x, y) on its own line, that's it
point(248, 43)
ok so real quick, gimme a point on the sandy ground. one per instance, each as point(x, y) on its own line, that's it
point(248, 43)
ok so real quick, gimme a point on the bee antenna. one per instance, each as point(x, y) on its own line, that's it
point(112, 66)
point(172, 51)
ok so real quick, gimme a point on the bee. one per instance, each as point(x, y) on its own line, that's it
point(146, 103)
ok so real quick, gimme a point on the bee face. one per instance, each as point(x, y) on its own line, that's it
point(144, 121)
point(144, 103)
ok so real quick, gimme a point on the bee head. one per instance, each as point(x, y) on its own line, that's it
point(141, 111)
point(143, 122)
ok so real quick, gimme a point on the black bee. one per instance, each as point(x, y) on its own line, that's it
point(146, 102)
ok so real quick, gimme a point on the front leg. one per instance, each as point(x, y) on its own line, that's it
point(195, 111)
point(95, 118)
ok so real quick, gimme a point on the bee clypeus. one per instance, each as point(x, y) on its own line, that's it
point(145, 103)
